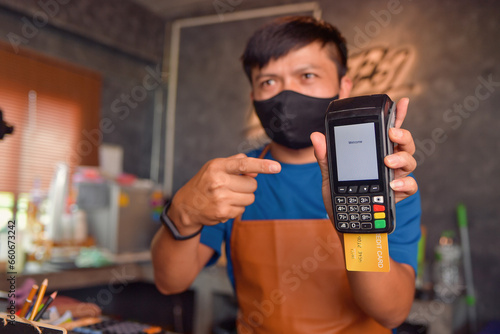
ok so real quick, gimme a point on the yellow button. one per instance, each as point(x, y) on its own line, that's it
point(379, 215)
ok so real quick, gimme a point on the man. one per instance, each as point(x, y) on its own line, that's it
point(270, 206)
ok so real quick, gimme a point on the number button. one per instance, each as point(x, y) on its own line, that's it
point(366, 217)
point(353, 208)
point(355, 225)
point(365, 208)
point(342, 216)
point(341, 208)
point(364, 200)
point(340, 200)
point(352, 200)
point(354, 216)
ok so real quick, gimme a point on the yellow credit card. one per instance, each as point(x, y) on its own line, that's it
point(366, 252)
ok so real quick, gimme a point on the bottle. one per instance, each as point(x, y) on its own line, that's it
point(35, 241)
point(448, 278)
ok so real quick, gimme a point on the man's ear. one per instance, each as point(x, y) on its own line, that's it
point(345, 87)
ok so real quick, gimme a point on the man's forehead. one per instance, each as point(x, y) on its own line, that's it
point(269, 71)
point(311, 56)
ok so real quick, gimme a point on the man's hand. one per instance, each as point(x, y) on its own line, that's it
point(386, 297)
point(219, 191)
point(401, 161)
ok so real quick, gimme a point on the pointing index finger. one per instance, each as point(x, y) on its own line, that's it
point(252, 165)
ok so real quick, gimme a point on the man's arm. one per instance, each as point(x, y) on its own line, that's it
point(219, 191)
point(176, 263)
point(386, 297)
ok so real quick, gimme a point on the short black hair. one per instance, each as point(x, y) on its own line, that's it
point(275, 39)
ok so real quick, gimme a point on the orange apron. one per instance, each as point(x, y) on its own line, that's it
point(290, 277)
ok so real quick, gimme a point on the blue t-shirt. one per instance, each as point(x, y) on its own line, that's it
point(295, 193)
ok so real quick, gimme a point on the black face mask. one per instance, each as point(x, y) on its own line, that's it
point(289, 118)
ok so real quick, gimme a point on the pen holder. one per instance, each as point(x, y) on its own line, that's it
point(14, 324)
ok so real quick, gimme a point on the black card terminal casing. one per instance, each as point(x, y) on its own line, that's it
point(365, 205)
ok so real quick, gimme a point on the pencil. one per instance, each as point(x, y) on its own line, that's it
point(29, 301)
point(46, 306)
point(41, 293)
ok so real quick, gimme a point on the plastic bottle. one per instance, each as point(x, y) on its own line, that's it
point(448, 278)
point(34, 238)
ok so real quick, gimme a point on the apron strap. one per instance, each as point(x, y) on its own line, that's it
point(264, 151)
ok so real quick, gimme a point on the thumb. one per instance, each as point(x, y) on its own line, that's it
point(319, 143)
point(320, 151)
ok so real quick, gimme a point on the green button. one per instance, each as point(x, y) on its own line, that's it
point(380, 223)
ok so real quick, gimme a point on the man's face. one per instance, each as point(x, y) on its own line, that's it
point(308, 70)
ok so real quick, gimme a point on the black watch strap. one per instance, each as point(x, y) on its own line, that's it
point(171, 226)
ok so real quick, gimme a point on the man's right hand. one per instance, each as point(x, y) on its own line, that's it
point(219, 191)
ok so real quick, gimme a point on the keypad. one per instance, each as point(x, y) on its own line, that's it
point(360, 209)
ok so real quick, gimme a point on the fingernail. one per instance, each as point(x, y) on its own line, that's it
point(397, 184)
point(274, 168)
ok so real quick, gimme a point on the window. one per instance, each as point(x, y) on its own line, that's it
point(50, 104)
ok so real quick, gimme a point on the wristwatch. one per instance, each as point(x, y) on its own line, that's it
point(169, 224)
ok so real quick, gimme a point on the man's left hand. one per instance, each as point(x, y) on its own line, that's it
point(402, 161)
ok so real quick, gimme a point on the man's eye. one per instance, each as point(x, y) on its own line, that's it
point(269, 82)
point(308, 75)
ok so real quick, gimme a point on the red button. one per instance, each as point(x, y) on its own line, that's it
point(378, 208)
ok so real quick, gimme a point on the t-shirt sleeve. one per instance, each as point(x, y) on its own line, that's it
point(212, 236)
point(403, 242)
